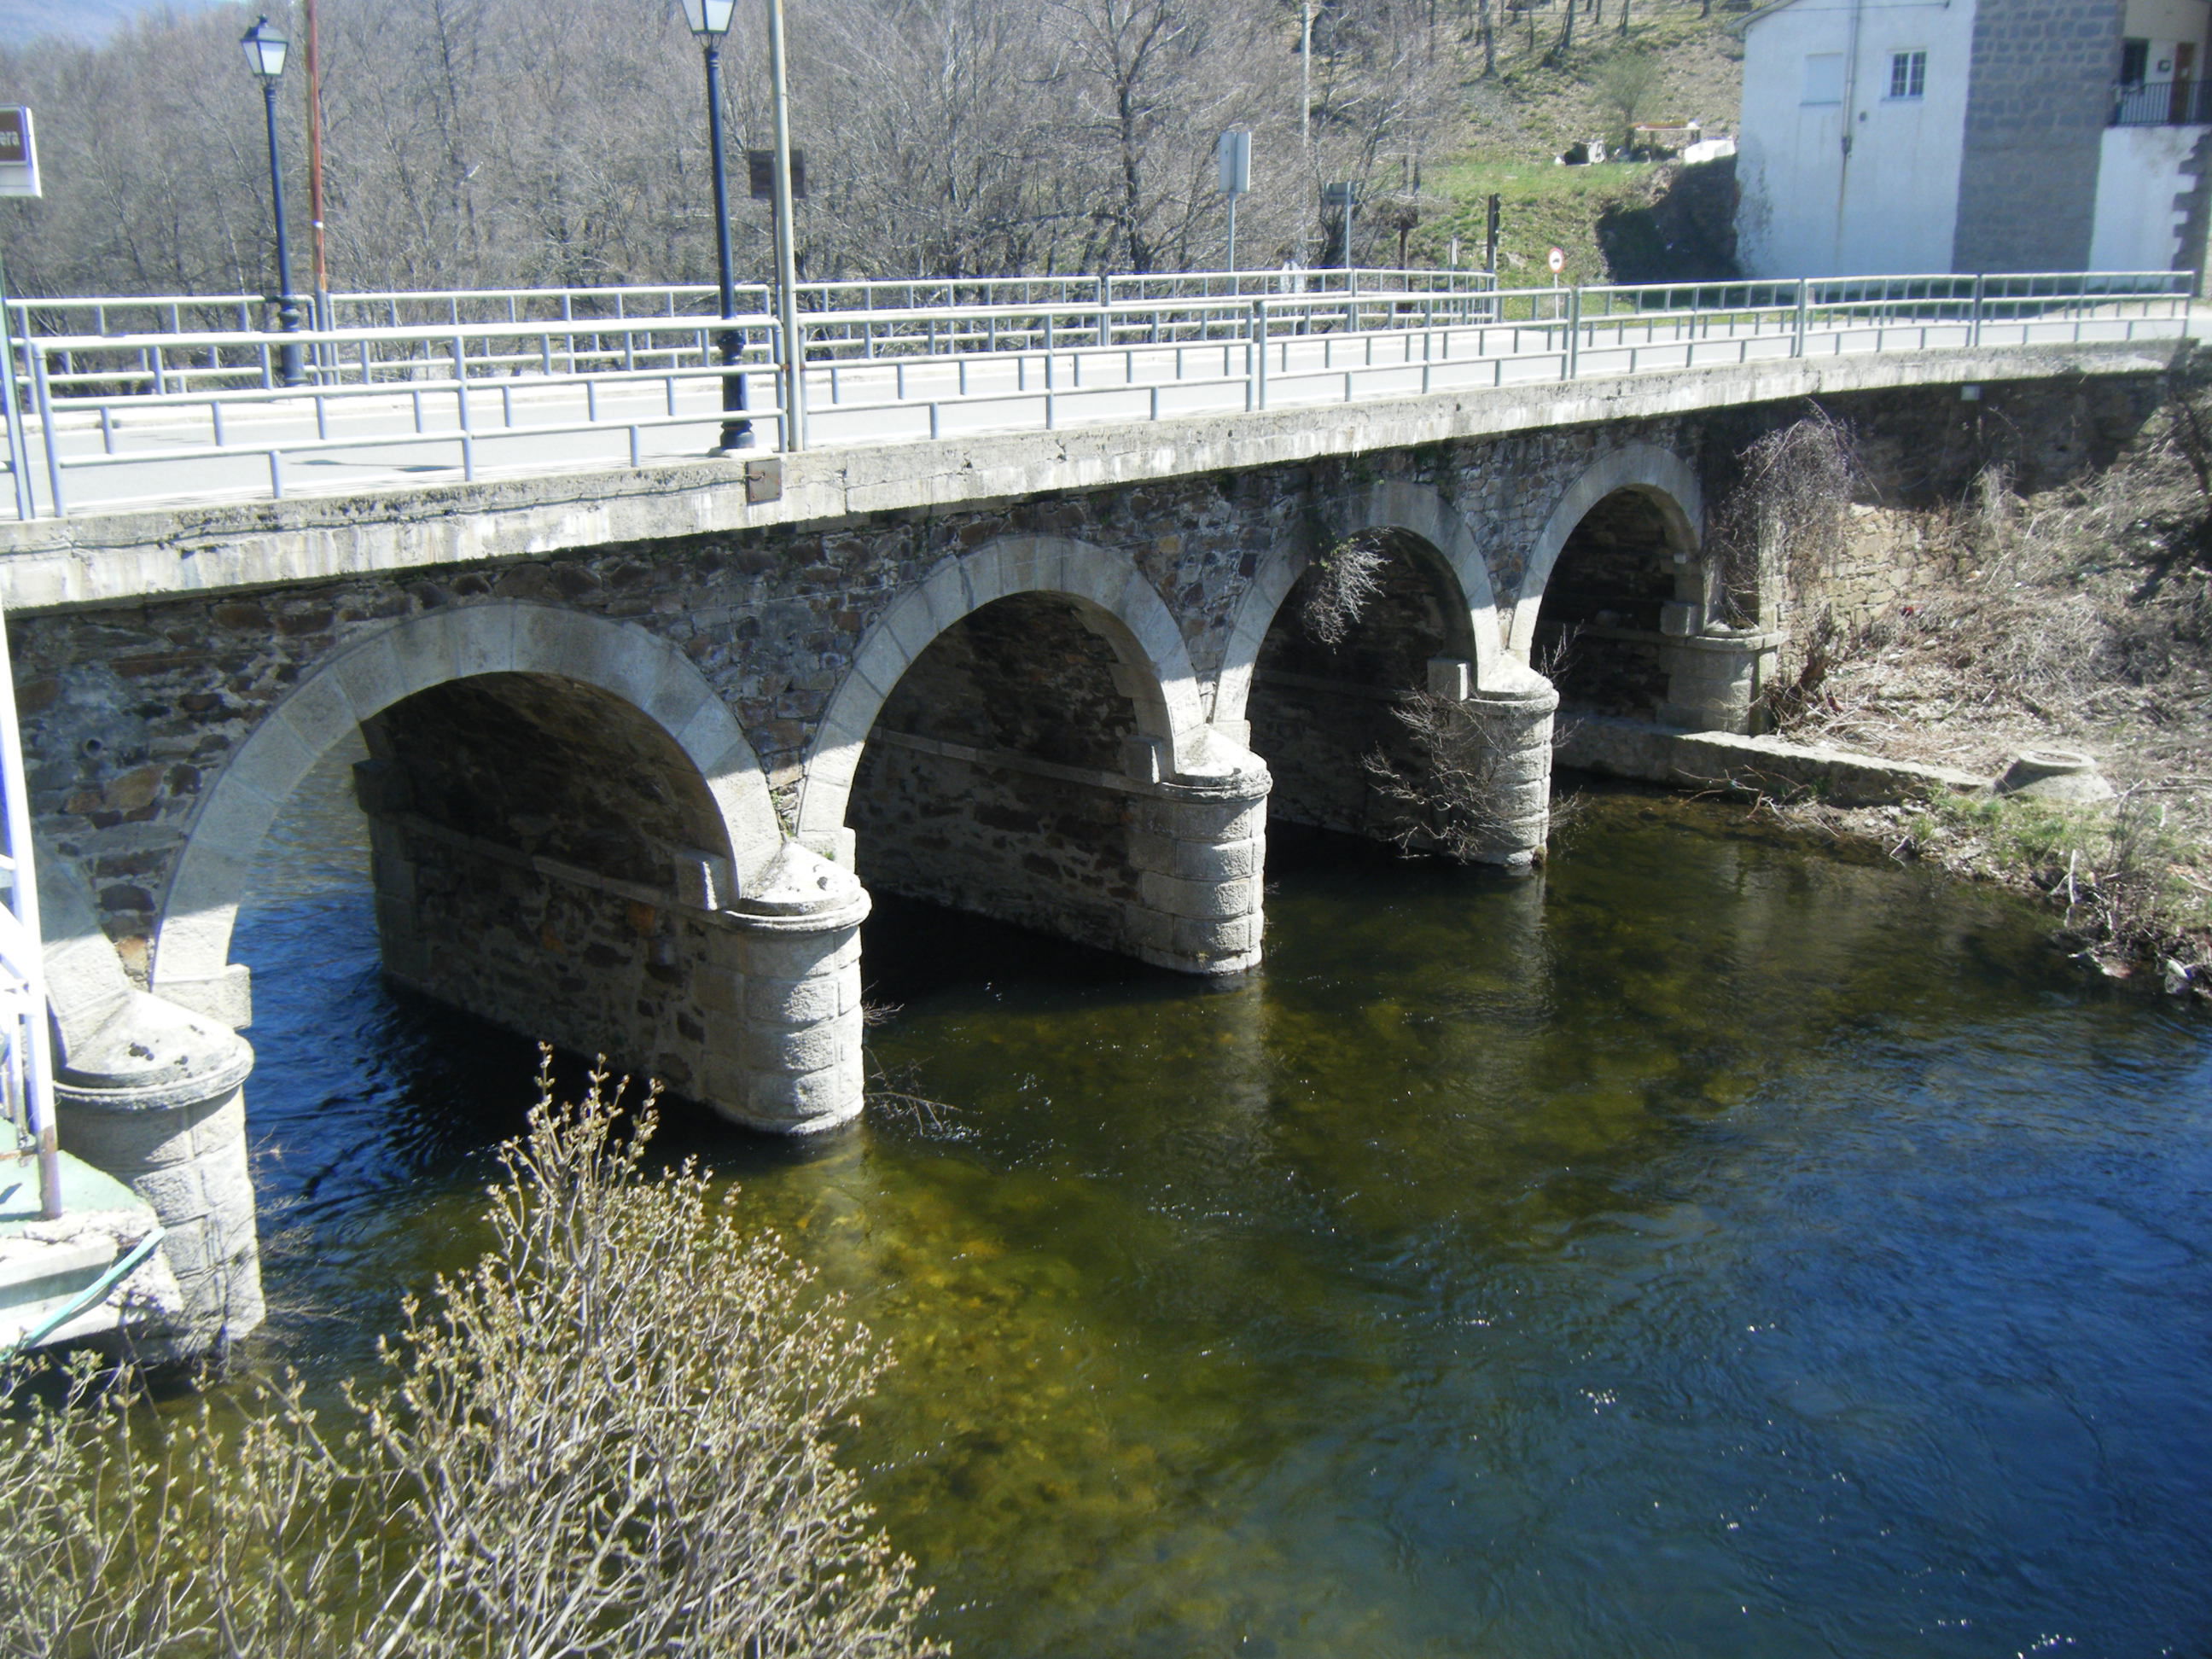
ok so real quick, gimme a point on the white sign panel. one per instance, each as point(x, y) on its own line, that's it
point(1234, 155)
point(19, 153)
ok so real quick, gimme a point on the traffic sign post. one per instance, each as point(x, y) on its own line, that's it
point(1233, 154)
point(19, 176)
point(1343, 197)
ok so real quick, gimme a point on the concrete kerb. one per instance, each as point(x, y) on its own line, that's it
point(192, 940)
point(1657, 472)
point(1114, 590)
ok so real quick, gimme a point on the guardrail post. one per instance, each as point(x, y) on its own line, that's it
point(1573, 365)
point(1804, 309)
point(46, 405)
point(1105, 311)
point(1255, 395)
point(19, 441)
point(794, 413)
point(1974, 335)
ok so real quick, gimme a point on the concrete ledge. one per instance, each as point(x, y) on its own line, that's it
point(102, 558)
point(1620, 748)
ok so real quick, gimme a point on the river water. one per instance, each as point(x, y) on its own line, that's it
point(1707, 1247)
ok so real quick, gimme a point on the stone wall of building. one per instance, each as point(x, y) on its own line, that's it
point(2039, 93)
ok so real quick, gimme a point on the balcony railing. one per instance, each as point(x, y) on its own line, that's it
point(2163, 104)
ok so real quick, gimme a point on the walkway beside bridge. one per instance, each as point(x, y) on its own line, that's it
point(180, 416)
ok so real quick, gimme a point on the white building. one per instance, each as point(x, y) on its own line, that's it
point(1900, 136)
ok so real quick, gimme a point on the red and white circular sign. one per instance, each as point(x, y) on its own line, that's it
point(1557, 261)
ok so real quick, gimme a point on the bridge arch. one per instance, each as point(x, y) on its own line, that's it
point(618, 664)
point(1021, 736)
point(1648, 470)
point(1118, 603)
point(1420, 511)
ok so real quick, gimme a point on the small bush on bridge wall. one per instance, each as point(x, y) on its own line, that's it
point(613, 1436)
point(1338, 588)
point(1784, 524)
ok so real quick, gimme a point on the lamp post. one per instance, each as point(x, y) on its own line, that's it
point(264, 54)
point(709, 20)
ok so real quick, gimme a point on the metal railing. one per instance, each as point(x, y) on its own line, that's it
point(2162, 104)
point(121, 420)
point(26, 1090)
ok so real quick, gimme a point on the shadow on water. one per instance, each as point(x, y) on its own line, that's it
point(1701, 1247)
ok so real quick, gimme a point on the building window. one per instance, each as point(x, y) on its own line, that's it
point(1824, 77)
point(1908, 74)
point(2135, 62)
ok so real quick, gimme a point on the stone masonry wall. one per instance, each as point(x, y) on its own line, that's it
point(596, 966)
point(127, 711)
point(1001, 834)
point(1318, 711)
point(2040, 93)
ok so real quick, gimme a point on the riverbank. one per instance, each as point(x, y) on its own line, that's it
point(2078, 618)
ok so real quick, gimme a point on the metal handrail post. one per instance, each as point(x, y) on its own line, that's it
point(1573, 365)
point(23, 903)
point(44, 398)
point(1804, 309)
point(11, 401)
point(1975, 337)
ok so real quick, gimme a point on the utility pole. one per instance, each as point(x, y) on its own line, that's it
point(787, 262)
point(1305, 123)
point(315, 170)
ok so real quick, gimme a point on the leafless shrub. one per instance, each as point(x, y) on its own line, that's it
point(1791, 506)
point(894, 1093)
point(613, 1436)
point(1463, 795)
point(1338, 586)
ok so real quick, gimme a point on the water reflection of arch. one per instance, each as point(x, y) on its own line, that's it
point(639, 682)
point(1114, 600)
point(1424, 521)
point(1657, 475)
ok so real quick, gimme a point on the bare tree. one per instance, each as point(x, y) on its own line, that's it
point(498, 143)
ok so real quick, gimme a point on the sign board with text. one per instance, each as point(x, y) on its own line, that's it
point(760, 170)
point(19, 152)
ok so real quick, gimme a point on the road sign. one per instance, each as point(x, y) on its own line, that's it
point(1234, 153)
point(760, 174)
point(19, 153)
point(1558, 260)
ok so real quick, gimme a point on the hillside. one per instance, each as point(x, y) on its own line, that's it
point(1615, 221)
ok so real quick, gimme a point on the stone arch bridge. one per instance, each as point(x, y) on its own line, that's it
point(641, 742)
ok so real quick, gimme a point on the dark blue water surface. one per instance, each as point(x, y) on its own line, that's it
point(1706, 1247)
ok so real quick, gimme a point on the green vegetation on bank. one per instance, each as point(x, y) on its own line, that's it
point(616, 1434)
point(1615, 220)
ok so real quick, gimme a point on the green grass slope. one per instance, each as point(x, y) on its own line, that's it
point(1615, 222)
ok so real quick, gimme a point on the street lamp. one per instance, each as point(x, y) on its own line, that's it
point(265, 55)
point(710, 20)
